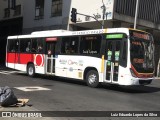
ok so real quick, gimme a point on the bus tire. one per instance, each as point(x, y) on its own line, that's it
point(31, 70)
point(92, 79)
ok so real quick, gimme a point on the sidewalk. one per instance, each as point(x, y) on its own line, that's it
point(157, 78)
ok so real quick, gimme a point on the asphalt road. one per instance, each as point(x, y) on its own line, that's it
point(70, 95)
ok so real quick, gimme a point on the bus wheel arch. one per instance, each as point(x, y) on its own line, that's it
point(91, 77)
point(30, 69)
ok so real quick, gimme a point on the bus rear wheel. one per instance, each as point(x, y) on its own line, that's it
point(92, 79)
point(31, 70)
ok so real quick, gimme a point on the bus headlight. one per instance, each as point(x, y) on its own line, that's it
point(132, 73)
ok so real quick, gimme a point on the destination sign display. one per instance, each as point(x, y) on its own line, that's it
point(140, 35)
point(114, 36)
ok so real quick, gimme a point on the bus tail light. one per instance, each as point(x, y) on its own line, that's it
point(132, 73)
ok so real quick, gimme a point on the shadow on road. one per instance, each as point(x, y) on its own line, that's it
point(126, 89)
point(132, 89)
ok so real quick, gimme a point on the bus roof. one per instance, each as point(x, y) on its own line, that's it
point(49, 32)
point(56, 33)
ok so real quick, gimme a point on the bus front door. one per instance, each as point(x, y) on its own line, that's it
point(112, 62)
point(50, 57)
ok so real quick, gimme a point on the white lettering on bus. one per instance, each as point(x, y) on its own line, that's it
point(88, 32)
point(89, 52)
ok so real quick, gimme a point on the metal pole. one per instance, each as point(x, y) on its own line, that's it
point(104, 11)
point(136, 14)
point(91, 17)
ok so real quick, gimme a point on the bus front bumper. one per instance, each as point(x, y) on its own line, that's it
point(142, 81)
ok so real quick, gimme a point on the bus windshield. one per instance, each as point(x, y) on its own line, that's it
point(142, 52)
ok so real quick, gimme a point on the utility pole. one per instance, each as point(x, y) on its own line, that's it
point(103, 12)
point(136, 14)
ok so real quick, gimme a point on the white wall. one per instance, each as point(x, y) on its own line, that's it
point(90, 7)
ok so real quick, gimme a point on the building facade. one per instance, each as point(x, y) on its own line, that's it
point(27, 16)
point(55, 14)
point(45, 15)
point(11, 21)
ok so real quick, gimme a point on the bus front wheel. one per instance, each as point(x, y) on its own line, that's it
point(30, 70)
point(92, 79)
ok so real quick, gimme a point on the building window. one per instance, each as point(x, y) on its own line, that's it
point(6, 13)
point(12, 4)
point(39, 12)
point(56, 8)
point(17, 10)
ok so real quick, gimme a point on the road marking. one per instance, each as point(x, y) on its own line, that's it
point(10, 72)
point(31, 88)
point(4, 73)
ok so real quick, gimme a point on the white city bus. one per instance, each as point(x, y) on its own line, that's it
point(120, 56)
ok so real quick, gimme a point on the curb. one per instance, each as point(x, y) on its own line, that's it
point(157, 78)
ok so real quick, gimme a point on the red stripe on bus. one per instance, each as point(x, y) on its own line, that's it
point(19, 58)
point(12, 57)
point(25, 58)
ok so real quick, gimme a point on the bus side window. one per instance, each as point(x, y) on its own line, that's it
point(90, 44)
point(124, 52)
point(34, 45)
point(123, 59)
point(69, 45)
point(37, 45)
point(13, 45)
point(25, 45)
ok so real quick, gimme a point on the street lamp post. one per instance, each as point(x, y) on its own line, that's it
point(136, 14)
point(103, 12)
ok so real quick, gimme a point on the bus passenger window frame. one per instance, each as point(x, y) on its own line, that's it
point(13, 47)
point(37, 45)
point(92, 41)
point(124, 53)
point(25, 45)
point(69, 45)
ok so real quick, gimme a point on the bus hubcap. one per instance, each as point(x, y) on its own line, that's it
point(92, 79)
point(30, 70)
